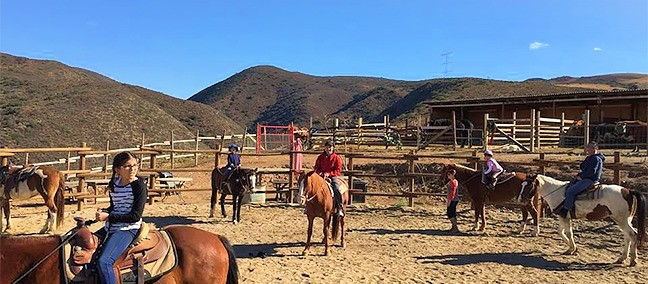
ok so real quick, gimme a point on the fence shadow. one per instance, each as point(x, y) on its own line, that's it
point(428, 232)
point(263, 250)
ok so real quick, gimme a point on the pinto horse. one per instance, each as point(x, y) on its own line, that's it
point(240, 182)
point(203, 257)
point(504, 192)
point(618, 203)
point(24, 183)
point(314, 193)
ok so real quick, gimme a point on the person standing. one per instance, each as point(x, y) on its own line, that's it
point(123, 218)
point(452, 200)
point(329, 165)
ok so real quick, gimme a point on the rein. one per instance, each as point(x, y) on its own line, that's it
point(66, 240)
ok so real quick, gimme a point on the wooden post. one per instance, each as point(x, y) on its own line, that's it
point(485, 132)
point(310, 124)
point(82, 166)
point(514, 123)
point(537, 131)
point(196, 154)
point(350, 167)
point(106, 156)
point(542, 164)
point(454, 131)
point(26, 162)
point(216, 154)
point(68, 161)
point(153, 176)
point(587, 127)
point(172, 156)
point(561, 138)
point(474, 161)
point(411, 178)
point(386, 124)
point(222, 141)
point(532, 131)
point(141, 158)
point(617, 172)
point(335, 130)
point(359, 131)
point(244, 139)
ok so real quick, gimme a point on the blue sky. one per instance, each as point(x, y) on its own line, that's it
point(182, 47)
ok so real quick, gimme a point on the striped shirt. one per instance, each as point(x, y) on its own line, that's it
point(126, 206)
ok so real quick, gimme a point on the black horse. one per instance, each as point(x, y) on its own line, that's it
point(239, 182)
point(464, 129)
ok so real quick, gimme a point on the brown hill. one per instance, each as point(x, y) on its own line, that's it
point(48, 104)
point(270, 95)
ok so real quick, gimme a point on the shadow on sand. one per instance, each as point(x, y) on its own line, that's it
point(529, 260)
point(429, 232)
point(263, 250)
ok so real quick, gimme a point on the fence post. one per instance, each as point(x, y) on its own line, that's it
point(172, 153)
point(532, 131)
point(542, 163)
point(359, 131)
point(561, 137)
point(141, 157)
point(617, 172)
point(537, 131)
point(474, 160)
point(153, 176)
point(485, 132)
point(513, 124)
point(411, 178)
point(196, 154)
point(106, 156)
point(587, 127)
point(26, 159)
point(216, 154)
point(222, 142)
point(454, 131)
point(68, 163)
point(350, 167)
point(244, 139)
point(82, 166)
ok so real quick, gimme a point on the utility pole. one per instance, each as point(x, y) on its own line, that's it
point(446, 62)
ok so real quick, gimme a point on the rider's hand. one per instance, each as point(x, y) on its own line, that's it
point(101, 216)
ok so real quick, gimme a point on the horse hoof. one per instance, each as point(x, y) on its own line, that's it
point(327, 253)
point(633, 263)
point(620, 261)
point(211, 216)
point(234, 222)
point(569, 252)
point(305, 253)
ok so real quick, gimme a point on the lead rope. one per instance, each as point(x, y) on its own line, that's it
point(66, 240)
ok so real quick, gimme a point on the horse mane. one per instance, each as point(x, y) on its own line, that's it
point(550, 180)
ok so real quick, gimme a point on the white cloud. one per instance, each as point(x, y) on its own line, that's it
point(538, 45)
point(598, 49)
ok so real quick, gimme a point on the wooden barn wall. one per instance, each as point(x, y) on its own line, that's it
point(608, 111)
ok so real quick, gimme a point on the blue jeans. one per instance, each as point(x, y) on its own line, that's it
point(337, 197)
point(574, 190)
point(111, 249)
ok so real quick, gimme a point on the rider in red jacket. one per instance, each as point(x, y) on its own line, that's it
point(329, 165)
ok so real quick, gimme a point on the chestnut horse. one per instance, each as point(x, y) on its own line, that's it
point(618, 203)
point(240, 182)
point(510, 190)
point(203, 257)
point(314, 193)
point(24, 183)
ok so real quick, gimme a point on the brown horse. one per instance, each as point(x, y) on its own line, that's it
point(240, 182)
point(314, 193)
point(507, 191)
point(203, 257)
point(24, 183)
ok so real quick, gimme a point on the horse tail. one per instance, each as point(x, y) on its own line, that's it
point(59, 201)
point(214, 191)
point(232, 271)
point(641, 217)
point(336, 226)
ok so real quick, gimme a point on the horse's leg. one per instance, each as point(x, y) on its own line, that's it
point(327, 220)
point(6, 207)
point(222, 203)
point(342, 243)
point(630, 240)
point(48, 223)
point(238, 209)
point(214, 195)
point(234, 207)
point(2, 214)
point(309, 234)
point(567, 234)
point(483, 217)
point(535, 211)
point(523, 225)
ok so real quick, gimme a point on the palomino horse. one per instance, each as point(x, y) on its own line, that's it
point(237, 185)
point(314, 193)
point(504, 192)
point(202, 257)
point(23, 183)
point(616, 202)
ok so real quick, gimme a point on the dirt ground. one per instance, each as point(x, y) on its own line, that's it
point(387, 242)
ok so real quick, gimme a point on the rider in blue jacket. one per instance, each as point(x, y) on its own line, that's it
point(233, 161)
point(591, 169)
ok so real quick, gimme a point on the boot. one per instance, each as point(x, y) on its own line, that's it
point(454, 228)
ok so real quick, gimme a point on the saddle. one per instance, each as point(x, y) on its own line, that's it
point(23, 174)
point(151, 255)
point(344, 186)
point(591, 193)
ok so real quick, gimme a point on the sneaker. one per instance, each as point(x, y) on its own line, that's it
point(340, 213)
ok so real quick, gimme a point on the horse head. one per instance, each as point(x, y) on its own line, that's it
point(245, 177)
point(529, 188)
point(308, 183)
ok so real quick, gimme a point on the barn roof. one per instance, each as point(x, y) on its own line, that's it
point(545, 98)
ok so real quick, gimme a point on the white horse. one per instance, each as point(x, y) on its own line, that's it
point(617, 202)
